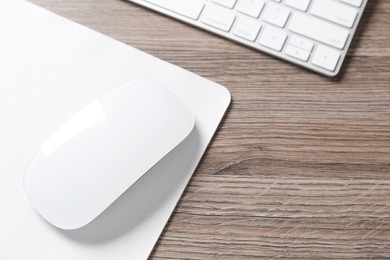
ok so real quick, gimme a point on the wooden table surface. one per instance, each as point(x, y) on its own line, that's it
point(300, 166)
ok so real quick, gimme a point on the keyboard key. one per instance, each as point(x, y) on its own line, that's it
point(273, 38)
point(356, 3)
point(319, 30)
point(326, 58)
point(190, 9)
point(226, 3)
point(301, 43)
point(335, 12)
point(250, 7)
point(247, 28)
point(276, 14)
point(298, 53)
point(298, 4)
point(218, 17)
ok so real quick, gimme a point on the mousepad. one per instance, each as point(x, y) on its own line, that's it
point(50, 68)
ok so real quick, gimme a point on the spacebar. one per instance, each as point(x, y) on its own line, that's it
point(188, 8)
point(319, 30)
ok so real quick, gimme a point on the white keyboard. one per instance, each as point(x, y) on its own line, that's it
point(315, 34)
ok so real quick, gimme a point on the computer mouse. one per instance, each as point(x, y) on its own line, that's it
point(100, 152)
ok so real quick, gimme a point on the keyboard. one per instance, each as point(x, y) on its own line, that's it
point(314, 34)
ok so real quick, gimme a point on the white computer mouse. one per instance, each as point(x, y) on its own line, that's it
point(103, 150)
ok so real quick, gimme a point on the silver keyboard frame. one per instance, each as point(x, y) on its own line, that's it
point(255, 45)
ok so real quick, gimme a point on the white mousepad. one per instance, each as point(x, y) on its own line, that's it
point(50, 68)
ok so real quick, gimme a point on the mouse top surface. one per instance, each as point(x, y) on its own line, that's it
point(103, 150)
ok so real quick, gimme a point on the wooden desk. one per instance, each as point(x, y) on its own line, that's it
point(300, 166)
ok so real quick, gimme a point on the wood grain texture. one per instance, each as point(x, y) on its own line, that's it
point(300, 166)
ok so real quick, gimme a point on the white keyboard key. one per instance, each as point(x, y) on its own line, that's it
point(250, 7)
point(335, 12)
point(326, 58)
point(319, 30)
point(298, 4)
point(247, 28)
point(218, 17)
point(356, 3)
point(226, 3)
point(190, 9)
point(301, 43)
point(276, 14)
point(273, 38)
point(298, 53)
